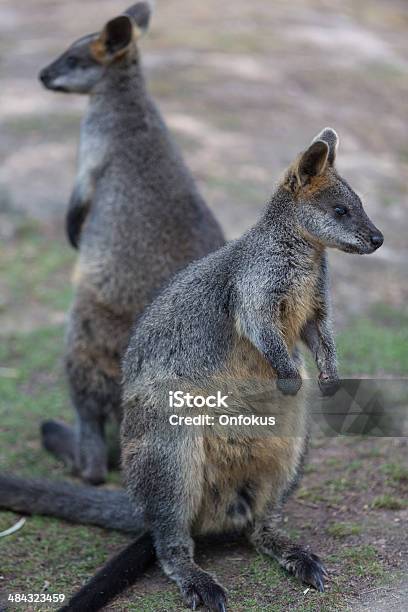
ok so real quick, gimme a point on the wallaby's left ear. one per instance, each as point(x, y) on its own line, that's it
point(114, 39)
point(312, 162)
point(140, 14)
point(331, 137)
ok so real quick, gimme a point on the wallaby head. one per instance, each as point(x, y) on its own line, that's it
point(327, 208)
point(87, 61)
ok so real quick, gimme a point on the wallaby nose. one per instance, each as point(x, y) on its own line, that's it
point(44, 76)
point(377, 240)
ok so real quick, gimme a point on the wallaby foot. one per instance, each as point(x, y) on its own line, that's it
point(60, 440)
point(92, 459)
point(306, 566)
point(200, 589)
point(197, 587)
point(84, 453)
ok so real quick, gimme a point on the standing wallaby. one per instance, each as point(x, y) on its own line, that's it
point(232, 320)
point(136, 217)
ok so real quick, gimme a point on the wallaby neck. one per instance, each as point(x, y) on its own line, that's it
point(280, 222)
point(122, 89)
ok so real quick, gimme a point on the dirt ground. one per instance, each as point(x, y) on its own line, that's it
point(244, 86)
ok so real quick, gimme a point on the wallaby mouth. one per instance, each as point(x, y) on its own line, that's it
point(366, 247)
point(47, 80)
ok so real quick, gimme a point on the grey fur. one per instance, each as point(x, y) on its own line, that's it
point(135, 214)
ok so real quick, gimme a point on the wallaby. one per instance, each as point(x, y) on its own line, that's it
point(135, 215)
point(233, 319)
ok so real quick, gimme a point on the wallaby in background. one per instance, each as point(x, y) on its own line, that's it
point(136, 217)
point(233, 319)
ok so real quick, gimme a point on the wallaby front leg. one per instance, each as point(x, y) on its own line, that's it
point(78, 208)
point(318, 337)
point(271, 343)
point(269, 540)
point(317, 334)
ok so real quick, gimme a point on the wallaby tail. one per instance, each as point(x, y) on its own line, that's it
point(117, 575)
point(106, 508)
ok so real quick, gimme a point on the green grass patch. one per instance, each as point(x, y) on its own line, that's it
point(343, 530)
point(397, 473)
point(51, 551)
point(375, 345)
point(388, 502)
point(37, 391)
point(364, 560)
point(36, 269)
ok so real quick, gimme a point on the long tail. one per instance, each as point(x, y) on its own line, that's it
point(77, 504)
point(117, 575)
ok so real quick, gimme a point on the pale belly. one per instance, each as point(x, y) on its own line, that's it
point(248, 468)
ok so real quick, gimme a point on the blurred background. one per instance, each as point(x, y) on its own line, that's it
point(244, 86)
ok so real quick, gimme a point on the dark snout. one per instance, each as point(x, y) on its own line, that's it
point(48, 76)
point(376, 239)
point(45, 78)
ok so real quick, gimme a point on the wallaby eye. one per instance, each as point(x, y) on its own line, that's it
point(340, 210)
point(72, 61)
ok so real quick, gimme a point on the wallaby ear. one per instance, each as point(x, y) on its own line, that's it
point(331, 137)
point(312, 162)
point(114, 39)
point(140, 14)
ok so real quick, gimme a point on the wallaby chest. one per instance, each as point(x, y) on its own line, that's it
point(299, 303)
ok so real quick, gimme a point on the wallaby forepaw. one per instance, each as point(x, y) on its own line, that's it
point(328, 385)
point(289, 386)
point(202, 590)
point(307, 567)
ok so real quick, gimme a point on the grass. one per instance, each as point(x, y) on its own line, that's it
point(364, 560)
point(36, 269)
point(52, 552)
point(375, 345)
point(343, 530)
point(389, 502)
point(397, 473)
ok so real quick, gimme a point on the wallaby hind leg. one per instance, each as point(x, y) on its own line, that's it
point(94, 396)
point(96, 338)
point(269, 540)
point(61, 440)
point(167, 476)
point(175, 549)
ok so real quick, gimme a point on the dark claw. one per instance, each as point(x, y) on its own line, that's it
point(319, 564)
point(316, 581)
point(328, 386)
point(307, 567)
point(203, 590)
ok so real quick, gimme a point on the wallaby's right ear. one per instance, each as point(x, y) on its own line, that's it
point(140, 14)
point(312, 162)
point(114, 40)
